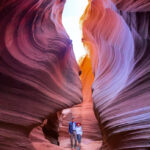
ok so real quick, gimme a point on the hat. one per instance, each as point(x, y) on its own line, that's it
point(78, 124)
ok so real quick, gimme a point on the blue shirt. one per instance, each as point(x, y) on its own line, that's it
point(72, 127)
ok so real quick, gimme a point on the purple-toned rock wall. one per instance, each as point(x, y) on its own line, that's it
point(118, 38)
point(38, 72)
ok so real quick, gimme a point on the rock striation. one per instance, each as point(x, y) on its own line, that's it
point(39, 76)
point(117, 35)
point(38, 72)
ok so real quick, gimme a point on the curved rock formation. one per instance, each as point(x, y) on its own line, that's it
point(119, 51)
point(38, 71)
point(39, 142)
point(51, 128)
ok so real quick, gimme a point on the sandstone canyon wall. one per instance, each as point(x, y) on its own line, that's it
point(38, 72)
point(39, 75)
point(117, 35)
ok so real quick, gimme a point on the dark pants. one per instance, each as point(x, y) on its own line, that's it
point(79, 138)
point(73, 137)
point(79, 141)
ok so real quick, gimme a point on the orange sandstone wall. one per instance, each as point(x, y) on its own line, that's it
point(89, 122)
point(87, 78)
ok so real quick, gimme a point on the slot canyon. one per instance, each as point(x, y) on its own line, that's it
point(42, 85)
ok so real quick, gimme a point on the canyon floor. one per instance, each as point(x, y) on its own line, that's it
point(86, 144)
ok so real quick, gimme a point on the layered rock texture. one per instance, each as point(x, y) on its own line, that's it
point(117, 35)
point(38, 72)
point(39, 76)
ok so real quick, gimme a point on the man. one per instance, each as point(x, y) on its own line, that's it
point(72, 132)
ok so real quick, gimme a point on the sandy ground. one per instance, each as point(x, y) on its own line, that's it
point(85, 145)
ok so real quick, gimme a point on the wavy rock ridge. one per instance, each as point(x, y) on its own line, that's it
point(117, 37)
point(38, 71)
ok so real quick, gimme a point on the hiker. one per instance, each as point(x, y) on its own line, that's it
point(72, 132)
point(79, 134)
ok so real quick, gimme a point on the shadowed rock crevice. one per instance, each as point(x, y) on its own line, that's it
point(51, 128)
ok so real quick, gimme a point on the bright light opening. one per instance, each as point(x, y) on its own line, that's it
point(72, 12)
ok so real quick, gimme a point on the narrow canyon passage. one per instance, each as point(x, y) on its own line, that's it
point(82, 113)
point(43, 83)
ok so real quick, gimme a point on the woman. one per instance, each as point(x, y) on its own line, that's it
point(79, 134)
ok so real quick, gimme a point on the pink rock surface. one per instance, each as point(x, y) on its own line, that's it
point(119, 51)
point(38, 71)
point(39, 142)
point(132, 5)
point(39, 75)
